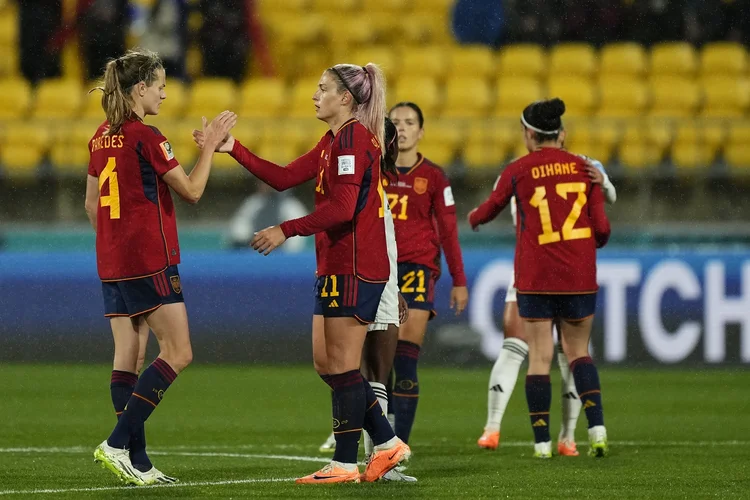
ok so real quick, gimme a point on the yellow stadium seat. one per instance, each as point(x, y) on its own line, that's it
point(577, 59)
point(446, 133)
point(472, 61)
point(174, 105)
point(723, 58)
point(20, 161)
point(738, 156)
point(622, 58)
point(301, 104)
point(383, 56)
point(725, 97)
point(579, 94)
point(706, 133)
point(209, 97)
point(16, 98)
point(673, 58)
point(58, 98)
point(525, 60)
point(659, 133)
point(92, 104)
point(304, 29)
point(262, 98)
point(34, 135)
point(288, 7)
point(688, 157)
point(440, 154)
point(418, 29)
point(488, 145)
point(739, 132)
point(466, 97)
point(281, 153)
point(9, 66)
point(343, 7)
point(70, 159)
point(621, 98)
point(356, 32)
point(603, 134)
point(514, 94)
point(432, 6)
point(596, 150)
point(391, 7)
point(421, 90)
point(423, 61)
point(674, 97)
point(9, 27)
point(638, 156)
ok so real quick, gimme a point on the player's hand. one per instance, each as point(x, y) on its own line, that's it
point(468, 219)
point(216, 134)
point(403, 309)
point(459, 298)
point(597, 177)
point(267, 240)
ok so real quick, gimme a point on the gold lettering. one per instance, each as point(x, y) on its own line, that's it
point(535, 172)
point(550, 169)
point(573, 168)
point(558, 169)
point(566, 168)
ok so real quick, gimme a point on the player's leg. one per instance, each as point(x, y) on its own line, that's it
point(576, 333)
point(406, 387)
point(138, 456)
point(377, 363)
point(537, 312)
point(504, 372)
point(571, 404)
point(320, 362)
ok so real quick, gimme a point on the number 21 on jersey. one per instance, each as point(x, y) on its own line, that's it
point(112, 200)
point(539, 201)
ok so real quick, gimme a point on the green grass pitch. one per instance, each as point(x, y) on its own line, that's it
point(240, 431)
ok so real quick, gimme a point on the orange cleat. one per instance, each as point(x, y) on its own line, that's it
point(384, 460)
point(567, 449)
point(490, 440)
point(330, 474)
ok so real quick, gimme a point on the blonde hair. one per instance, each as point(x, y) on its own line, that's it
point(367, 86)
point(120, 75)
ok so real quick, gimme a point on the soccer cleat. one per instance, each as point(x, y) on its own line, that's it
point(155, 476)
point(329, 446)
point(567, 448)
point(598, 441)
point(397, 476)
point(117, 461)
point(490, 440)
point(384, 460)
point(543, 450)
point(330, 474)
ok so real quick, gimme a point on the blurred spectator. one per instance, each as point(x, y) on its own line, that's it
point(533, 21)
point(593, 21)
point(102, 31)
point(478, 21)
point(654, 21)
point(709, 20)
point(224, 38)
point(39, 20)
point(166, 33)
point(266, 207)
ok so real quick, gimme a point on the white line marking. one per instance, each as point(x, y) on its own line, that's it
point(133, 488)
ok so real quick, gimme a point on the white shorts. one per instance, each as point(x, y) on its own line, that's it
point(387, 309)
point(510, 295)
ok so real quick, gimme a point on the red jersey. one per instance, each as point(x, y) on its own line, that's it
point(424, 214)
point(561, 221)
point(348, 218)
point(136, 229)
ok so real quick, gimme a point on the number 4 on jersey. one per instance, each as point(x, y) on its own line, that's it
point(113, 199)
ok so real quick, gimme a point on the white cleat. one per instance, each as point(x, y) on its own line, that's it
point(329, 446)
point(395, 475)
point(117, 461)
point(155, 476)
point(598, 446)
point(543, 450)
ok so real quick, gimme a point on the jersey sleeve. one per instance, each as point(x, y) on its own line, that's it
point(92, 169)
point(351, 157)
point(445, 214)
point(158, 151)
point(498, 200)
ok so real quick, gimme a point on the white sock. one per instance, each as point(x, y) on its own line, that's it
point(571, 404)
point(503, 380)
point(347, 467)
point(382, 395)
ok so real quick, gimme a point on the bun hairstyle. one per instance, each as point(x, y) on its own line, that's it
point(544, 118)
point(388, 160)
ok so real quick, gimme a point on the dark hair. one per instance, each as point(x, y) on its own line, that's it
point(544, 118)
point(119, 77)
point(388, 160)
point(409, 104)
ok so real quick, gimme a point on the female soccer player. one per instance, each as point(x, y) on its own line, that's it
point(128, 202)
point(351, 251)
point(555, 264)
point(424, 213)
point(515, 348)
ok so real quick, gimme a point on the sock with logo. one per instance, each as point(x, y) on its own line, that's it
point(406, 388)
point(377, 428)
point(148, 392)
point(121, 388)
point(571, 405)
point(587, 383)
point(539, 399)
point(503, 380)
point(348, 409)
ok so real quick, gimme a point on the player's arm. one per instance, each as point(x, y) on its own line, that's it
point(498, 200)
point(92, 198)
point(190, 187)
point(598, 175)
point(598, 216)
point(445, 213)
point(278, 177)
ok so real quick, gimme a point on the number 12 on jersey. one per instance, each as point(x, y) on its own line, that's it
point(112, 200)
point(540, 202)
